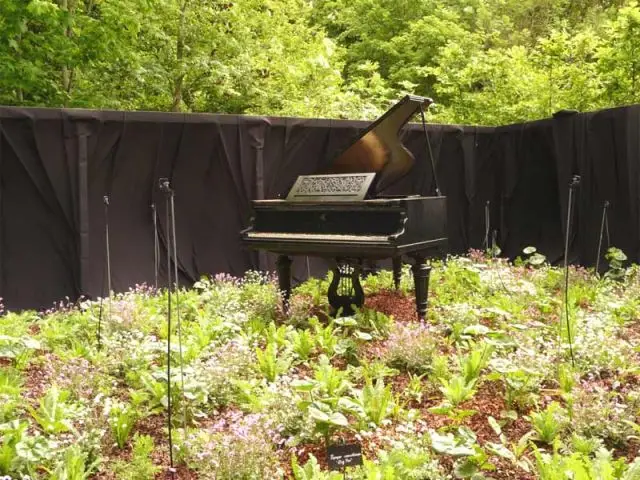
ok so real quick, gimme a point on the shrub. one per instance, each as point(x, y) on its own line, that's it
point(410, 347)
point(235, 447)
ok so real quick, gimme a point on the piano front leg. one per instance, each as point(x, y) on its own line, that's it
point(283, 265)
point(421, 271)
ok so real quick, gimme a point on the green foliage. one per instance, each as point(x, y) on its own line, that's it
point(270, 363)
point(53, 414)
point(582, 467)
point(140, 467)
point(376, 401)
point(616, 259)
point(485, 62)
point(548, 423)
point(532, 258)
point(457, 390)
point(410, 348)
point(122, 420)
point(248, 406)
point(311, 470)
point(75, 465)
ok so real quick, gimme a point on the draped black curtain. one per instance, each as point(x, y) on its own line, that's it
point(57, 165)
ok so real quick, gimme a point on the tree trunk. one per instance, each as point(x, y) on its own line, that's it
point(67, 72)
point(179, 80)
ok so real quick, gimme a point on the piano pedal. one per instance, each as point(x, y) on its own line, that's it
point(345, 290)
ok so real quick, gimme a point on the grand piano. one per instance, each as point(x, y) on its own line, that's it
point(342, 214)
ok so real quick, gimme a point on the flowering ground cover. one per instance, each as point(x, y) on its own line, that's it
point(494, 384)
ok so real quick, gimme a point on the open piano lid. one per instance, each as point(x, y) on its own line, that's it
point(368, 166)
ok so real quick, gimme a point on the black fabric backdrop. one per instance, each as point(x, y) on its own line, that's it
point(56, 166)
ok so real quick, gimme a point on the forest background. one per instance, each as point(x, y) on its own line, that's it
point(485, 62)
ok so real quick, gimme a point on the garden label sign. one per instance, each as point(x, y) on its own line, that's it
point(341, 456)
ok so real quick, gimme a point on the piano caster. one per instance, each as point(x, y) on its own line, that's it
point(283, 265)
point(421, 271)
point(345, 290)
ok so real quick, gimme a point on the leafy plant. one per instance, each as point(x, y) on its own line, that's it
point(326, 338)
point(270, 363)
point(414, 388)
point(311, 470)
point(616, 259)
point(512, 451)
point(141, 466)
point(457, 390)
point(53, 413)
point(548, 423)
point(326, 419)
point(122, 420)
point(410, 348)
point(302, 343)
point(376, 323)
point(472, 363)
point(556, 466)
point(376, 401)
point(532, 258)
point(18, 349)
point(74, 466)
point(12, 434)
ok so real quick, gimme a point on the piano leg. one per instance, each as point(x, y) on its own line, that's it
point(283, 265)
point(397, 271)
point(421, 271)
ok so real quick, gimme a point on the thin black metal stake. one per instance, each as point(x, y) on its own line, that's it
point(107, 267)
point(603, 224)
point(164, 187)
point(486, 224)
point(430, 153)
point(156, 244)
point(106, 233)
point(575, 181)
point(177, 292)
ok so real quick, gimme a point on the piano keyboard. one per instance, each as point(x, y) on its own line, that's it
point(318, 236)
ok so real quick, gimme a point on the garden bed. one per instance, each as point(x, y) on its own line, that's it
point(494, 384)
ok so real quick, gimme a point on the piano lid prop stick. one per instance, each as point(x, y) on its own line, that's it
point(430, 153)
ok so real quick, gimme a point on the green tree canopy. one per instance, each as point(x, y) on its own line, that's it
point(483, 61)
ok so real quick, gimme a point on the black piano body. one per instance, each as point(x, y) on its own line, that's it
point(342, 215)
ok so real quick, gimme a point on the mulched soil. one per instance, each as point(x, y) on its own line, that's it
point(391, 302)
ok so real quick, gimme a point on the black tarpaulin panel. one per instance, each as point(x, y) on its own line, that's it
point(217, 164)
point(486, 179)
point(39, 254)
point(568, 144)
point(420, 178)
point(212, 203)
point(633, 152)
point(613, 173)
point(122, 167)
point(531, 203)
